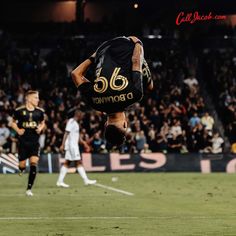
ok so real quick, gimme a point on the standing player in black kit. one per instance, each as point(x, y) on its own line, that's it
point(120, 77)
point(28, 122)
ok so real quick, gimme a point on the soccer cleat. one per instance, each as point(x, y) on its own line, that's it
point(90, 181)
point(20, 173)
point(29, 193)
point(62, 185)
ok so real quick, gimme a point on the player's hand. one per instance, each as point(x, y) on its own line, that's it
point(93, 55)
point(21, 132)
point(62, 148)
point(134, 39)
point(38, 130)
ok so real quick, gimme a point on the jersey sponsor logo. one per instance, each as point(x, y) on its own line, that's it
point(101, 82)
point(29, 124)
point(113, 99)
point(30, 116)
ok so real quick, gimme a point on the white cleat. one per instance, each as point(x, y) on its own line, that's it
point(89, 182)
point(63, 185)
point(29, 193)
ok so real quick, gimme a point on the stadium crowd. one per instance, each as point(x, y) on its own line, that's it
point(173, 118)
point(221, 69)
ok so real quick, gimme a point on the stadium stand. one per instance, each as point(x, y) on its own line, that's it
point(171, 119)
point(221, 73)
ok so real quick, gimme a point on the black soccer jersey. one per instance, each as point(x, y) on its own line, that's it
point(113, 88)
point(28, 120)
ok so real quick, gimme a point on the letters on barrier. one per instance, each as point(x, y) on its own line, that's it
point(146, 162)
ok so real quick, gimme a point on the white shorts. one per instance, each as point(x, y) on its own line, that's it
point(72, 154)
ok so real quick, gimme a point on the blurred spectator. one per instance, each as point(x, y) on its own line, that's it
point(176, 129)
point(97, 143)
point(206, 141)
point(175, 143)
point(141, 140)
point(161, 144)
point(194, 120)
point(207, 121)
point(146, 149)
point(216, 144)
point(4, 133)
point(191, 81)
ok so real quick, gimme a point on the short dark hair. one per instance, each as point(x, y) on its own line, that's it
point(114, 135)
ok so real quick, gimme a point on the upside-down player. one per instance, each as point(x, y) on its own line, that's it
point(28, 122)
point(120, 77)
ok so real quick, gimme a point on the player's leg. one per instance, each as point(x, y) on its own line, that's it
point(63, 172)
point(82, 172)
point(22, 156)
point(22, 166)
point(32, 174)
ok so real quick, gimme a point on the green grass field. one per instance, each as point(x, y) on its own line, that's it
point(162, 204)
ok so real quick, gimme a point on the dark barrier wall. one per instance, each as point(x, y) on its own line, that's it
point(48, 163)
point(159, 162)
point(155, 162)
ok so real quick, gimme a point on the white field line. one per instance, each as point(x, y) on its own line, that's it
point(70, 218)
point(111, 217)
point(114, 189)
point(59, 194)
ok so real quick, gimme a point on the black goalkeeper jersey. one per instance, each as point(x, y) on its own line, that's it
point(113, 88)
point(28, 120)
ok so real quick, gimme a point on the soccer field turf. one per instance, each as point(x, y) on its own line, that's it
point(162, 204)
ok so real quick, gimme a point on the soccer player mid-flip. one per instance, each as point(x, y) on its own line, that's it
point(28, 122)
point(120, 77)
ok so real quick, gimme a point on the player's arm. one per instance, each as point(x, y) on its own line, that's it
point(78, 73)
point(138, 55)
point(40, 127)
point(13, 123)
point(137, 61)
point(65, 136)
point(14, 126)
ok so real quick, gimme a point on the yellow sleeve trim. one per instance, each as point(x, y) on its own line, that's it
point(19, 108)
point(41, 109)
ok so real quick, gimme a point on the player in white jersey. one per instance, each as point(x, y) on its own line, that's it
point(70, 145)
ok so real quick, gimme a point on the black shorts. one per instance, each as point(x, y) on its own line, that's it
point(27, 150)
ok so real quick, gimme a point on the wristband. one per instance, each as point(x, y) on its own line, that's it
point(92, 59)
point(136, 75)
point(139, 42)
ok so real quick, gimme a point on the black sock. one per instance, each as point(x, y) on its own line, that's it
point(32, 175)
point(21, 169)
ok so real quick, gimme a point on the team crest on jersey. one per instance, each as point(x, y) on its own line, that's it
point(24, 113)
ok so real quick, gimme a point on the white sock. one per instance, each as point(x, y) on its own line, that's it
point(62, 174)
point(82, 172)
